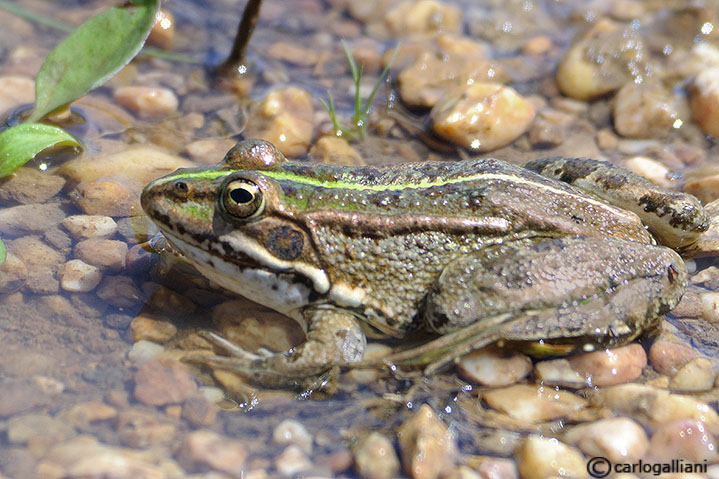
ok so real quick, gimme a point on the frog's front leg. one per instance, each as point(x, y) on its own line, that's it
point(576, 291)
point(333, 338)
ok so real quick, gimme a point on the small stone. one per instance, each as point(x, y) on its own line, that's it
point(90, 226)
point(423, 17)
point(205, 449)
point(668, 356)
point(292, 461)
point(618, 439)
point(710, 306)
point(80, 277)
point(696, 375)
point(162, 34)
point(611, 366)
point(120, 291)
point(167, 301)
point(199, 411)
point(292, 432)
point(147, 101)
point(293, 53)
point(210, 151)
point(545, 134)
point(103, 253)
point(647, 110)
point(143, 351)
point(21, 429)
point(155, 330)
point(83, 414)
point(139, 429)
point(15, 91)
point(426, 446)
point(650, 169)
point(686, 439)
point(375, 457)
point(538, 45)
point(333, 150)
point(105, 198)
point(462, 472)
point(158, 385)
point(540, 457)
point(285, 119)
point(607, 140)
point(482, 116)
point(531, 403)
point(705, 101)
point(494, 367)
point(490, 467)
point(558, 372)
point(41, 261)
point(28, 219)
point(13, 274)
point(29, 186)
point(17, 396)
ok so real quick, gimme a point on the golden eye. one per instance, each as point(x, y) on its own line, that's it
point(242, 198)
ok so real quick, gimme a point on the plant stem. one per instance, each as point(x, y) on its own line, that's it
point(235, 63)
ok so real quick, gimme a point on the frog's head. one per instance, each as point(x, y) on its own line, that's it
point(229, 219)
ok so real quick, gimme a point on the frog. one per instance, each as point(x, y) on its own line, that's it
point(572, 254)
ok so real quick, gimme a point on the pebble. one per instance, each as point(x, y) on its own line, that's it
point(17, 396)
point(15, 91)
point(103, 253)
point(150, 329)
point(141, 429)
point(28, 219)
point(540, 458)
point(558, 372)
point(42, 263)
point(13, 274)
point(159, 384)
point(107, 197)
point(147, 101)
point(704, 184)
point(494, 367)
point(667, 356)
point(30, 186)
point(167, 301)
point(423, 17)
point(710, 306)
point(210, 151)
point(650, 169)
point(611, 366)
point(426, 446)
point(205, 449)
point(375, 457)
point(606, 139)
point(83, 414)
point(489, 467)
point(696, 375)
point(199, 411)
point(532, 403)
point(545, 134)
point(686, 439)
point(285, 119)
point(40, 428)
point(292, 461)
point(143, 351)
point(648, 110)
point(705, 101)
point(162, 34)
point(120, 291)
point(333, 150)
point(289, 432)
point(482, 116)
point(90, 226)
point(618, 439)
point(462, 472)
point(80, 277)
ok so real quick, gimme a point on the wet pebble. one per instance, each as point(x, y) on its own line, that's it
point(199, 411)
point(541, 457)
point(209, 151)
point(143, 351)
point(120, 291)
point(668, 356)
point(289, 432)
point(333, 150)
point(494, 367)
point(705, 101)
point(292, 460)
point(696, 375)
point(285, 119)
point(159, 384)
point(426, 446)
point(423, 17)
point(27, 219)
point(611, 366)
point(18, 396)
point(684, 439)
point(647, 110)
point(147, 101)
point(90, 226)
point(162, 34)
point(375, 457)
point(489, 467)
point(558, 372)
point(15, 91)
point(532, 403)
point(83, 414)
point(80, 277)
point(140, 429)
point(167, 301)
point(13, 274)
point(204, 449)
point(650, 169)
point(150, 329)
point(42, 263)
point(482, 116)
point(41, 429)
point(30, 186)
point(710, 306)
point(618, 439)
point(103, 253)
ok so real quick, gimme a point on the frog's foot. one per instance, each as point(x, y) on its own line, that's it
point(581, 291)
point(333, 338)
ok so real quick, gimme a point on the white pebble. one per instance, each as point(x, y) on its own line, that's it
point(147, 102)
point(494, 367)
point(144, 350)
point(80, 277)
point(618, 439)
point(292, 432)
point(90, 226)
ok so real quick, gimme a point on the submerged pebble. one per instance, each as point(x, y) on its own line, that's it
point(147, 101)
point(532, 403)
point(618, 439)
point(541, 457)
point(375, 457)
point(494, 367)
point(426, 446)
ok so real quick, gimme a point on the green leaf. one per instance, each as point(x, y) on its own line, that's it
point(91, 55)
point(21, 143)
point(3, 253)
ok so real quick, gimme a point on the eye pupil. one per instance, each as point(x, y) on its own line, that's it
point(181, 186)
point(241, 196)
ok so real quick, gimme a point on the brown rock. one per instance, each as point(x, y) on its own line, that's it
point(28, 219)
point(668, 356)
point(696, 375)
point(205, 449)
point(141, 430)
point(162, 34)
point(13, 274)
point(80, 277)
point(120, 291)
point(198, 411)
point(83, 414)
point(647, 110)
point(210, 151)
point(292, 460)
point(106, 254)
point(333, 150)
point(705, 101)
point(30, 186)
point(531, 403)
point(494, 367)
point(426, 446)
point(157, 384)
point(167, 301)
point(147, 101)
point(15, 91)
point(90, 226)
point(539, 458)
point(423, 17)
point(611, 366)
point(618, 439)
point(155, 330)
point(19, 396)
point(686, 439)
point(375, 457)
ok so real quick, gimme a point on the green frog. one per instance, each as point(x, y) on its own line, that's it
point(477, 251)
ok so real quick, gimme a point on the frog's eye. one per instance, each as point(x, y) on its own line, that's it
point(242, 198)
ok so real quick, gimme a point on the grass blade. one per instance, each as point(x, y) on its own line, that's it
point(22, 143)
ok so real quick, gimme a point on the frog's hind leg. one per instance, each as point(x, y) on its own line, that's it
point(580, 291)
